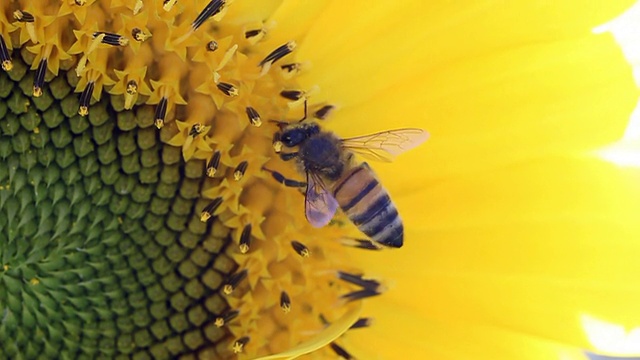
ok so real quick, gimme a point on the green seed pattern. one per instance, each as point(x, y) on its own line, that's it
point(102, 254)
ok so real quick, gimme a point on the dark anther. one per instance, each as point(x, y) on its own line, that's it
point(360, 294)
point(212, 45)
point(226, 317)
point(285, 302)
point(254, 117)
point(359, 280)
point(323, 112)
point(212, 165)
point(132, 87)
point(239, 171)
point(167, 5)
point(111, 38)
point(161, 112)
point(340, 351)
point(85, 98)
point(300, 248)
point(292, 94)
point(252, 33)
point(139, 35)
point(362, 323)
point(210, 209)
point(212, 8)
point(23, 16)
point(323, 320)
point(227, 89)
point(233, 281)
point(38, 81)
point(245, 239)
point(5, 57)
point(238, 345)
point(278, 53)
point(196, 130)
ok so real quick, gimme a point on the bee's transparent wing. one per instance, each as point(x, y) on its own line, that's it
point(319, 204)
point(386, 145)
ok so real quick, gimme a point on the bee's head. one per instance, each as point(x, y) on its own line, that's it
point(294, 135)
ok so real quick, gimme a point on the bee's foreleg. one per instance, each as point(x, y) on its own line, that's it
point(288, 156)
point(281, 124)
point(283, 180)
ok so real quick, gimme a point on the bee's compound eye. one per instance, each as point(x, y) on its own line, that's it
point(286, 139)
point(292, 138)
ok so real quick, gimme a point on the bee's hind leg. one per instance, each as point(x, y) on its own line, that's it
point(283, 180)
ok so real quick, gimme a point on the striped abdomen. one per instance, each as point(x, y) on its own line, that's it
point(368, 205)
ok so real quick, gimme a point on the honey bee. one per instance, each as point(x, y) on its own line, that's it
point(335, 178)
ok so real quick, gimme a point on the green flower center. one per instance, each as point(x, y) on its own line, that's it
point(102, 251)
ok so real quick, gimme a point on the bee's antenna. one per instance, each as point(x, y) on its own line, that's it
point(305, 110)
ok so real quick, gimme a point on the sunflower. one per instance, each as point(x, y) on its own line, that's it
point(140, 218)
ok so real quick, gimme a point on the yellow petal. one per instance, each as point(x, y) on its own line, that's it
point(245, 11)
point(421, 36)
point(294, 19)
point(445, 340)
point(531, 248)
